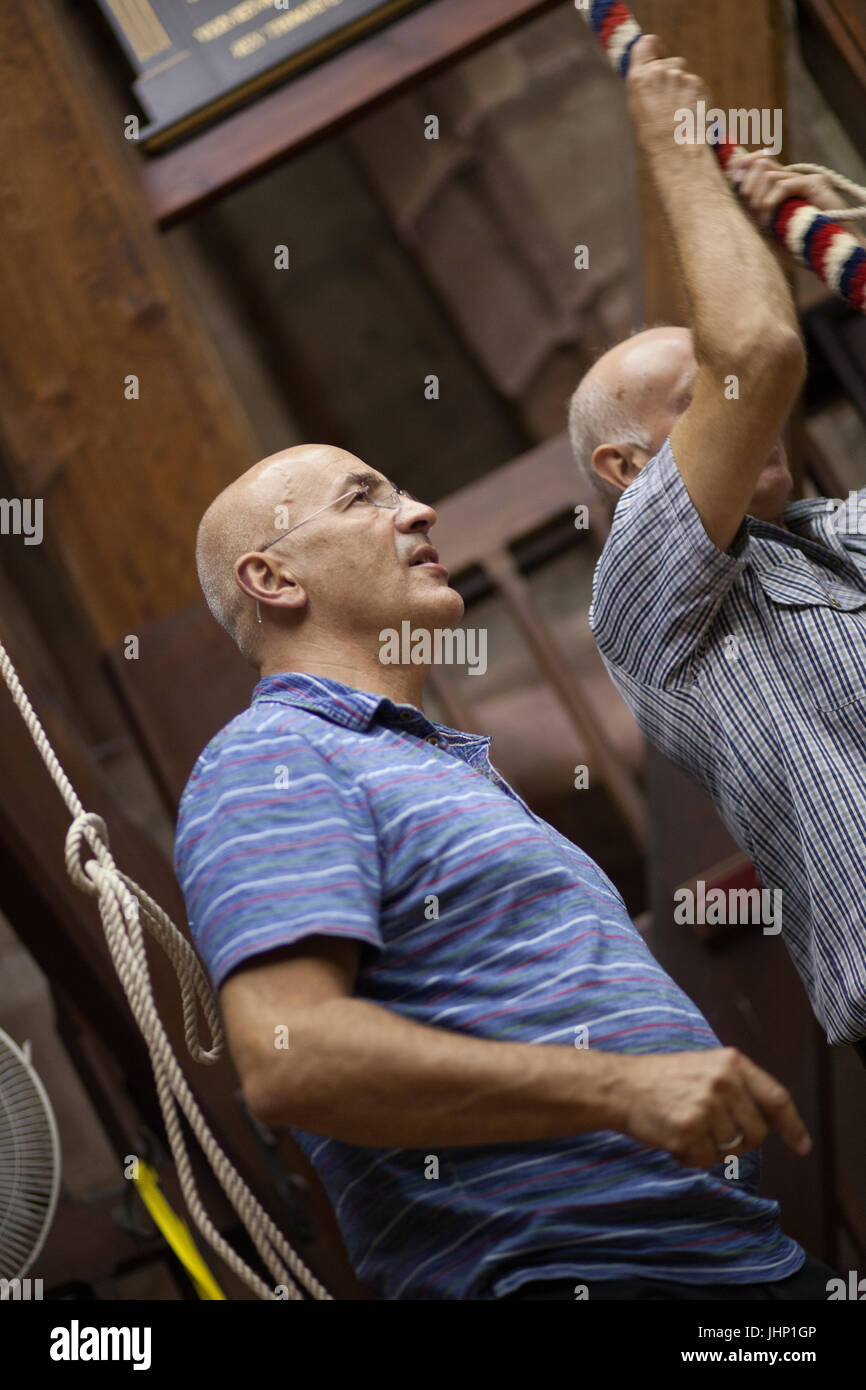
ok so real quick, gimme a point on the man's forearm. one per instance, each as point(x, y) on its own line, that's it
point(734, 283)
point(366, 1075)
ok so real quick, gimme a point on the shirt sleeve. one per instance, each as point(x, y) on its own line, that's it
point(274, 844)
point(660, 579)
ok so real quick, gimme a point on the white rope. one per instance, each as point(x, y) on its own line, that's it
point(122, 903)
point(840, 182)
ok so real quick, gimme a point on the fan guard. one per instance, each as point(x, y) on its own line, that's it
point(29, 1161)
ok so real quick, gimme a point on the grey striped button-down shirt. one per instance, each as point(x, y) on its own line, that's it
point(747, 667)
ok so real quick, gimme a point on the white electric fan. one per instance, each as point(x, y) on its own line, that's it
point(29, 1161)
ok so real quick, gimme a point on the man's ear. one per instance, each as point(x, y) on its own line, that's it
point(619, 467)
point(270, 582)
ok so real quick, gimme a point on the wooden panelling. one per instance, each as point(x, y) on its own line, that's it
point(188, 682)
point(87, 301)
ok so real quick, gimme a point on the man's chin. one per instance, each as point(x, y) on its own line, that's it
point(773, 494)
point(442, 608)
point(452, 605)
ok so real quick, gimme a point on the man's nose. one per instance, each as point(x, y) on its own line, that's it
point(414, 516)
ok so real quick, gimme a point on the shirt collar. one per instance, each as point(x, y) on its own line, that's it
point(343, 704)
point(816, 529)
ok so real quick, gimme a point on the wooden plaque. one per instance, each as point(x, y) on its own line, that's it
point(197, 59)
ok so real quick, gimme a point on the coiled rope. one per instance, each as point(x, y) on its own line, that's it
point(123, 904)
point(815, 239)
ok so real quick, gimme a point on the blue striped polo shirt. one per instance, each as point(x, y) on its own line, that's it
point(326, 809)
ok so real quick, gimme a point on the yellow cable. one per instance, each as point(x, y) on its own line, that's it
point(176, 1232)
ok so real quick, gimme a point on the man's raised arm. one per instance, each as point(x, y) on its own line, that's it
point(747, 341)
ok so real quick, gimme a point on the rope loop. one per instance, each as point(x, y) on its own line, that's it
point(91, 829)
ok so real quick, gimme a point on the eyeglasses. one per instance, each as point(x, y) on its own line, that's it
point(391, 499)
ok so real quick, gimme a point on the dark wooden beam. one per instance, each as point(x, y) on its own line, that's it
point(89, 298)
point(320, 101)
point(833, 40)
point(736, 46)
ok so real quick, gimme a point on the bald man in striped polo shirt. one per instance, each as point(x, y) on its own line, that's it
point(444, 999)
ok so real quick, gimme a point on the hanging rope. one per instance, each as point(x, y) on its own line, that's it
point(813, 238)
point(122, 905)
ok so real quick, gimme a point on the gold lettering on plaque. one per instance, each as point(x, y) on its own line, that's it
point(248, 43)
point(230, 19)
point(275, 27)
